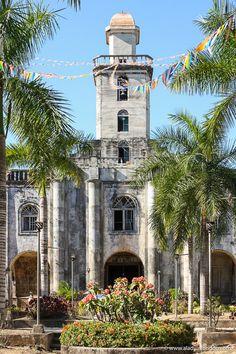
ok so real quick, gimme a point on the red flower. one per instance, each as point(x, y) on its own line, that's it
point(88, 298)
point(159, 301)
point(149, 286)
point(138, 280)
point(117, 292)
point(106, 291)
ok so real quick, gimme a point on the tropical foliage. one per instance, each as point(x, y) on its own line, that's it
point(214, 73)
point(33, 112)
point(74, 3)
point(65, 291)
point(127, 335)
point(50, 306)
point(194, 179)
point(123, 302)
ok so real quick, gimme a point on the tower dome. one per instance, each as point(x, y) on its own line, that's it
point(122, 19)
point(123, 25)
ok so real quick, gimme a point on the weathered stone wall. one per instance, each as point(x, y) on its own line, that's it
point(107, 106)
point(19, 195)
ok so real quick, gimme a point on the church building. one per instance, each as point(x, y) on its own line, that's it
point(101, 229)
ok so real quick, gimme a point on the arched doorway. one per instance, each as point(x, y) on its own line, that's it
point(24, 274)
point(223, 283)
point(122, 265)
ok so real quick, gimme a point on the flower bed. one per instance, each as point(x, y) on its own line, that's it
point(127, 335)
point(122, 302)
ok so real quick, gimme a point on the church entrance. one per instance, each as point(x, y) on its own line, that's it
point(122, 265)
point(24, 275)
point(223, 270)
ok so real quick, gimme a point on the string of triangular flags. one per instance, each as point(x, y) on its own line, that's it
point(11, 70)
point(186, 61)
point(67, 63)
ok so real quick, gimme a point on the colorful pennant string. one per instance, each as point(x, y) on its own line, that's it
point(186, 61)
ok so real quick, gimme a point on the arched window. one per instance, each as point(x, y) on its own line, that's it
point(123, 214)
point(123, 121)
point(122, 91)
point(123, 152)
point(29, 214)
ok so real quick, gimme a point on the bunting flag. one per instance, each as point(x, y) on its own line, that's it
point(186, 61)
point(11, 70)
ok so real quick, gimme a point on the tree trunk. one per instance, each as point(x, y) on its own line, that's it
point(204, 268)
point(3, 207)
point(2, 222)
point(44, 245)
point(190, 275)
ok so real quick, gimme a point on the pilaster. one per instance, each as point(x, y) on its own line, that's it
point(93, 232)
point(58, 233)
point(151, 244)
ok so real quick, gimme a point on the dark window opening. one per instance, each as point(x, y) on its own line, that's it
point(122, 91)
point(123, 154)
point(118, 220)
point(123, 213)
point(123, 121)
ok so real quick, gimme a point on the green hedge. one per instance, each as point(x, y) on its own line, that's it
point(121, 335)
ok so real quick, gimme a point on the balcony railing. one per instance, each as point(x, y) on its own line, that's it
point(141, 59)
point(17, 176)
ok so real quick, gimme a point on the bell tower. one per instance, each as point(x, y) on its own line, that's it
point(122, 35)
point(122, 113)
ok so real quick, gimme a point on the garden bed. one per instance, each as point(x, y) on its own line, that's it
point(84, 350)
point(94, 334)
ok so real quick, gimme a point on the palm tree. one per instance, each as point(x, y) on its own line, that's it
point(74, 3)
point(56, 164)
point(191, 185)
point(30, 110)
point(215, 73)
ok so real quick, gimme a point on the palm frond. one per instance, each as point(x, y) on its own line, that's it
point(217, 15)
point(211, 75)
point(25, 27)
point(17, 155)
point(221, 116)
point(37, 110)
point(74, 3)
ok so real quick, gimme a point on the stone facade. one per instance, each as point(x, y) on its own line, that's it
point(104, 224)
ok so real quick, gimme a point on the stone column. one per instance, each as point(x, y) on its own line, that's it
point(43, 205)
point(93, 251)
point(58, 233)
point(151, 243)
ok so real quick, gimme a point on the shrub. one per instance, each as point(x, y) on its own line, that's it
point(135, 302)
point(49, 306)
point(168, 297)
point(118, 335)
point(65, 291)
point(217, 309)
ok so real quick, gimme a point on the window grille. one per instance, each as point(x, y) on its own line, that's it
point(29, 215)
point(123, 214)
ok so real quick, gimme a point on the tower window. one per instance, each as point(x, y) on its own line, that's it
point(122, 91)
point(123, 152)
point(123, 214)
point(29, 214)
point(123, 121)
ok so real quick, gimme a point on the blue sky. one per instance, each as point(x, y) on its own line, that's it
point(167, 28)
